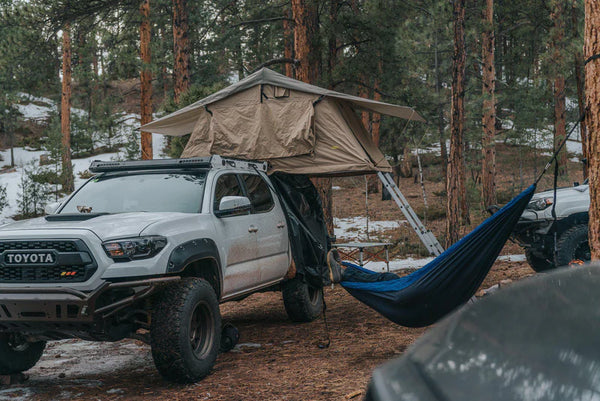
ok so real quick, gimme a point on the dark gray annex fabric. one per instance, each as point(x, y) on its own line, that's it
point(306, 226)
point(425, 296)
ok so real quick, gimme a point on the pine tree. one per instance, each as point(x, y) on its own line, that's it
point(67, 168)
point(488, 169)
point(456, 175)
point(181, 48)
point(145, 79)
point(591, 50)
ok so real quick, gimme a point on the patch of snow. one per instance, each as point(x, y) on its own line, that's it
point(356, 227)
point(16, 394)
point(335, 188)
point(417, 263)
point(77, 359)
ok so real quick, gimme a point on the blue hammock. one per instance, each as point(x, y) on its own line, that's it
point(425, 296)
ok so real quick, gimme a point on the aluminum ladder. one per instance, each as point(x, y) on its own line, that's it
point(426, 236)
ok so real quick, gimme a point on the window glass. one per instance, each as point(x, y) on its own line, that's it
point(227, 185)
point(259, 193)
point(143, 192)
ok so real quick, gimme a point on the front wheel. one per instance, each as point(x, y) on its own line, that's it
point(186, 331)
point(573, 247)
point(17, 354)
point(303, 302)
point(538, 263)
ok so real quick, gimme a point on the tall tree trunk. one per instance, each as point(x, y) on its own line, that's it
point(65, 111)
point(145, 79)
point(181, 48)
point(332, 41)
point(456, 175)
point(591, 47)
point(488, 169)
point(306, 36)
point(558, 36)
point(288, 44)
point(579, 79)
point(376, 126)
point(440, 104)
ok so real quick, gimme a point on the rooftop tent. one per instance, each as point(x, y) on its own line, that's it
point(297, 127)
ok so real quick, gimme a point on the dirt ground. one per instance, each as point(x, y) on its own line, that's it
point(275, 359)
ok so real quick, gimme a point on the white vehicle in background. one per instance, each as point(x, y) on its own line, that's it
point(537, 228)
point(153, 245)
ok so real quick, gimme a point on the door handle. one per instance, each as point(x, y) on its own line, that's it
point(252, 229)
point(280, 225)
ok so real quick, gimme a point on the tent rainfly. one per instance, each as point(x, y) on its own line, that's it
point(298, 128)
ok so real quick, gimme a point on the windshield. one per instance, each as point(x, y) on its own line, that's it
point(144, 192)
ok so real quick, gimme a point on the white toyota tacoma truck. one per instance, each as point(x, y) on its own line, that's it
point(148, 247)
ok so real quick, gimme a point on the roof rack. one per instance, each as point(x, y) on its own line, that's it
point(215, 161)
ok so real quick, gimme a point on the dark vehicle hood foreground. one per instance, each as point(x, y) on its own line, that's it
point(537, 340)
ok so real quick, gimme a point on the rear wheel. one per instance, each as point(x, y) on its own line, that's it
point(303, 302)
point(573, 247)
point(538, 263)
point(186, 331)
point(17, 354)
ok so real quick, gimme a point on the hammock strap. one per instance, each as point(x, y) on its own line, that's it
point(557, 151)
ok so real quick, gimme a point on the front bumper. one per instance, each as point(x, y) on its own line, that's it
point(28, 307)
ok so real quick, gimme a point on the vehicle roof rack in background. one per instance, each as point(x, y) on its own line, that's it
point(99, 166)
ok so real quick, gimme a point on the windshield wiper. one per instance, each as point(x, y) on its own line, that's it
point(73, 216)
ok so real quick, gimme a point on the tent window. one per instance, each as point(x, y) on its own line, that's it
point(259, 193)
point(279, 92)
point(227, 185)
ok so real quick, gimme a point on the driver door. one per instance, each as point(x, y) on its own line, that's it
point(237, 238)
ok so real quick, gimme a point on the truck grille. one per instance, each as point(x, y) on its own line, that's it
point(60, 273)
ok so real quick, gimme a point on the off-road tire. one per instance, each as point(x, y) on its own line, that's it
point(303, 303)
point(17, 355)
point(179, 308)
point(538, 263)
point(573, 245)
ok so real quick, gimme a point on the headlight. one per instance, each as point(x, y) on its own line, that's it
point(126, 249)
point(540, 204)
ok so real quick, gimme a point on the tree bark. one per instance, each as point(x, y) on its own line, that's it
point(488, 168)
point(591, 47)
point(288, 44)
point(65, 111)
point(456, 176)
point(580, 81)
point(560, 131)
point(145, 79)
point(440, 104)
point(306, 36)
point(181, 48)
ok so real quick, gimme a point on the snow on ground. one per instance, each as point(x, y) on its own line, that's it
point(356, 227)
point(412, 263)
point(39, 113)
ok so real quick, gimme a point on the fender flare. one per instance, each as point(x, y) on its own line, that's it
point(192, 251)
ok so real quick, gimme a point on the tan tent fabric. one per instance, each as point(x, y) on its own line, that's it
point(298, 128)
point(244, 126)
point(183, 121)
point(337, 150)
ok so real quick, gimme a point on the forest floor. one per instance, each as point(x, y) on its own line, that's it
point(275, 359)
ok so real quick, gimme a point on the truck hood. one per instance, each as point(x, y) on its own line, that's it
point(580, 191)
point(105, 226)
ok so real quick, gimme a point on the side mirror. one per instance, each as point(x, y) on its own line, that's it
point(233, 205)
point(51, 208)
